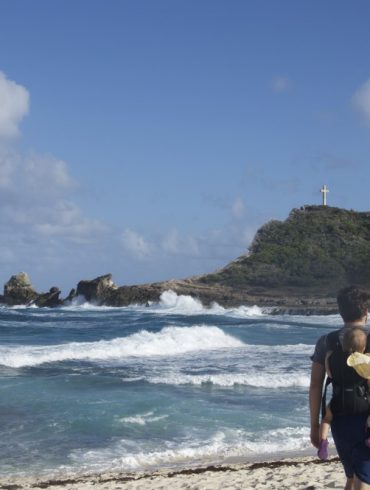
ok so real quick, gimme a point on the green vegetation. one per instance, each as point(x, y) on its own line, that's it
point(319, 248)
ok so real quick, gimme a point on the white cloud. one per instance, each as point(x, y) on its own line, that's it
point(175, 244)
point(238, 207)
point(40, 174)
point(48, 172)
point(14, 105)
point(66, 219)
point(34, 195)
point(361, 100)
point(135, 244)
point(221, 244)
point(280, 84)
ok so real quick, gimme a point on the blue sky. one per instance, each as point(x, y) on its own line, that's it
point(152, 138)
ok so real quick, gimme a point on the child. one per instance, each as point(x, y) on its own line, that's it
point(354, 340)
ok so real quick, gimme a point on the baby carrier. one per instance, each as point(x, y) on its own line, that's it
point(349, 389)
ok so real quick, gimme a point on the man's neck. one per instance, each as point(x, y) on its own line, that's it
point(357, 323)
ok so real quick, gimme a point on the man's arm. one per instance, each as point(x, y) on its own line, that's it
point(315, 394)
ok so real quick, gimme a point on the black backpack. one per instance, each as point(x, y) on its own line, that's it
point(349, 388)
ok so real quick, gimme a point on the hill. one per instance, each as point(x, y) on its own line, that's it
point(316, 249)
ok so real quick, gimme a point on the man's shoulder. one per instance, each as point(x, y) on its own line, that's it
point(323, 345)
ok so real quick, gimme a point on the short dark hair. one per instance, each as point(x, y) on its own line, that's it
point(353, 303)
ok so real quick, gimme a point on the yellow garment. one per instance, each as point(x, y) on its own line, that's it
point(361, 363)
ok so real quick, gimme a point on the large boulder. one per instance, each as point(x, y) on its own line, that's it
point(19, 290)
point(50, 299)
point(70, 297)
point(128, 295)
point(97, 290)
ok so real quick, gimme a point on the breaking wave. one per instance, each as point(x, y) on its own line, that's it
point(170, 341)
point(224, 444)
point(170, 302)
point(256, 380)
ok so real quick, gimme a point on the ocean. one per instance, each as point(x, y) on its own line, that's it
point(86, 389)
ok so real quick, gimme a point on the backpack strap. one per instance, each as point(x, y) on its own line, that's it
point(323, 399)
point(368, 342)
point(332, 341)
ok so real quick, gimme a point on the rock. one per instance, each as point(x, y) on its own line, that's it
point(50, 299)
point(19, 290)
point(72, 294)
point(97, 290)
point(128, 295)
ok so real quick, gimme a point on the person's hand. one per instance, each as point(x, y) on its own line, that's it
point(315, 435)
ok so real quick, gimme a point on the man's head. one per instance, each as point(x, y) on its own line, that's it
point(353, 303)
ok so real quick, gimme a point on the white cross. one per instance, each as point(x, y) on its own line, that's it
point(324, 190)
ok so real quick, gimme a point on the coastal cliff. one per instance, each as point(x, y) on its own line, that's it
point(292, 266)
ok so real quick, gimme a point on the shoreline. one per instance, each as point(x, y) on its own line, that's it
point(102, 291)
point(302, 472)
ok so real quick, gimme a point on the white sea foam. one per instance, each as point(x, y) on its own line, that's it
point(172, 303)
point(229, 443)
point(256, 379)
point(169, 341)
point(142, 419)
point(293, 349)
point(328, 320)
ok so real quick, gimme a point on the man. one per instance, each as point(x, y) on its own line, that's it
point(348, 431)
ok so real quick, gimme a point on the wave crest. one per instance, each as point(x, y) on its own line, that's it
point(255, 380)
point(172, 303)
point(170, 341)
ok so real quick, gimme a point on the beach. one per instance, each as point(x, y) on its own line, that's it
point(293, 473)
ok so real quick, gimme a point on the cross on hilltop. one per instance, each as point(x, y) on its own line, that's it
point(324, 190)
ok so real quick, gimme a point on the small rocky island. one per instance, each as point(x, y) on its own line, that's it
point(292, 266)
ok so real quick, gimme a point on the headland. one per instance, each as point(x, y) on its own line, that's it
point(294, 266)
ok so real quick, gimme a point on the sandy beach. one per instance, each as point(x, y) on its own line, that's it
point(307, 473)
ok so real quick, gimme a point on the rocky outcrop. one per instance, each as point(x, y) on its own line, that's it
point(128, 295)
point(19, 290)
point(97, 290)
point(102, 290)
point(71, 296)
point(50, 299)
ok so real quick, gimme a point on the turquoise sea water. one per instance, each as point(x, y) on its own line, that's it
point(86, 389)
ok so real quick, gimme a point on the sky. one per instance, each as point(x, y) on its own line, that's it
point(152, 138)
